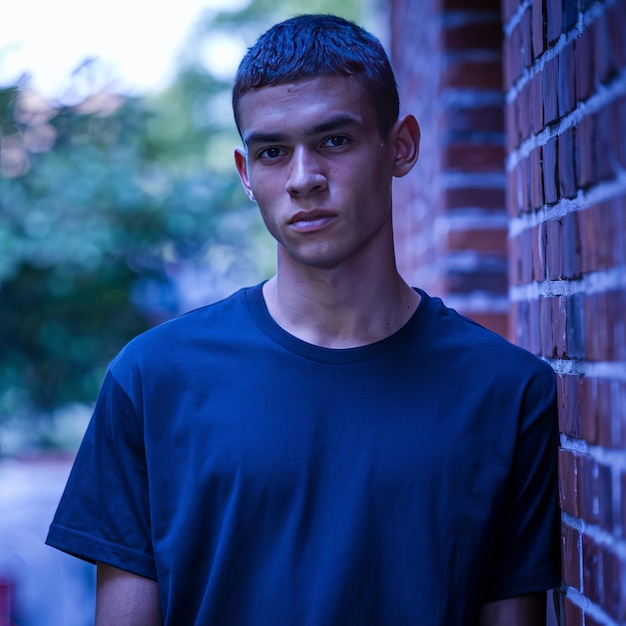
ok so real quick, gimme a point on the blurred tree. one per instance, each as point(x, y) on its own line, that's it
point(82, 225)
point(109, 203)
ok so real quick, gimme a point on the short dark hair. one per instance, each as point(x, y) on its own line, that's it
point(309, 46)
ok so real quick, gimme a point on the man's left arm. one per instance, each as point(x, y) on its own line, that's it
point(528, 610)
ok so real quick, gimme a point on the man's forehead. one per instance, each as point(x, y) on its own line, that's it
point(310, 105)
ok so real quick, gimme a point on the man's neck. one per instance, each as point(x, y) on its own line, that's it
point(334, 308)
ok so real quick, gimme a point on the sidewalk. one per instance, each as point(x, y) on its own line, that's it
point(51, 588)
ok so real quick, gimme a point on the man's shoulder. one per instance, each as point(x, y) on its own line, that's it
point(469, 343)
point(213, 322)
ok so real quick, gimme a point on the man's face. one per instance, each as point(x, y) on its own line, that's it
point(318, 168)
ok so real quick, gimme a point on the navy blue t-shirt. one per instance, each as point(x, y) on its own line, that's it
point(264, 481)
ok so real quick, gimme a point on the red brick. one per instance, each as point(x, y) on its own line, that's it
point(526, 39)
point(569, 388)
point(534, 344)
point(609, 411)
point(585, 163)
point(523, 109)
point(604, 326)
point(550, 171)
point(571, 555)
point(524, 184)
point(613, 568)
point(539, 251)
point(589, 489)
point(604, 413)
point(566, 85)
point(587, 402)
point(559, 317)
point(512, 194)
point(605, 142)
point(623, 501)
point(571, 245)
point(618, 121)
point(554, 256)
point(486, 279)
point(549, 80)
point(536, 103)
point(484, 119)
point(480, 75)
point(605, 497)
point(604, 66)
point(583, 50)
point(616, 19)
point(538, 28)
point(474, 36)
point(575, 326)
point(554, 20)
point(515, 261)
point(545, 321)
point(536, 178)
point(592, 567)
point(469, 157)
point(573, 613)
point(569, 482)
point(618, 219)
point(596, 328)
point(599, 236)
point(490, 241)
point(567, 172)
point(474, 198)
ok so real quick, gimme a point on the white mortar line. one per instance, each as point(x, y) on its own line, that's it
point(601, 281)
point(605, 190)
point(589, 608)
point(516, 18)
point(603, 96)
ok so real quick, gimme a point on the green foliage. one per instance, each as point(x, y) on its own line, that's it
point(79, 228)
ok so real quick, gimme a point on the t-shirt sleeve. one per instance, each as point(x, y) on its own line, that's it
point(527, 552)
point(104, 513)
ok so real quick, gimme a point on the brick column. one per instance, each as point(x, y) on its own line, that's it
point(565, 80)
point(450, 218)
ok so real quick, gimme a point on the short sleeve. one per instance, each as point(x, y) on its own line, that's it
point(104, 513)
point(527, 553)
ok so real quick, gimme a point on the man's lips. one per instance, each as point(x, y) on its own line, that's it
point(307, 221)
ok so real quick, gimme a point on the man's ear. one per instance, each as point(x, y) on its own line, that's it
point(405, 136)
point(242, 168)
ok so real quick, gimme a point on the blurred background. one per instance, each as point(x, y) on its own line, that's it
point(119, 209)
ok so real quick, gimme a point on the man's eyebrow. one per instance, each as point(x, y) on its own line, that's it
point(334, 123)
point(340, 121)
point(257, 137)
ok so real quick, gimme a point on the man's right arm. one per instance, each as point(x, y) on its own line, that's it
point(125, 599)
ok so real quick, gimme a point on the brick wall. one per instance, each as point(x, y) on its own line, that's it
point(451, 220)
point(565, 84)
point(564, 103)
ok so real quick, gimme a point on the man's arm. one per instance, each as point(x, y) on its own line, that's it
point(527, 610)
point(125, 599)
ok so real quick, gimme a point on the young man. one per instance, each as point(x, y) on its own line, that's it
point(331, 447)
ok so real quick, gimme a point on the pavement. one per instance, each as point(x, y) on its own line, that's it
point(50, 588)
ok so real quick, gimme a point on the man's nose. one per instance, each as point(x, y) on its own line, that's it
point(306, 174)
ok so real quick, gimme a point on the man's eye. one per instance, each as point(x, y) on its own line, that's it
point(270, 153)
point(336, 141)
